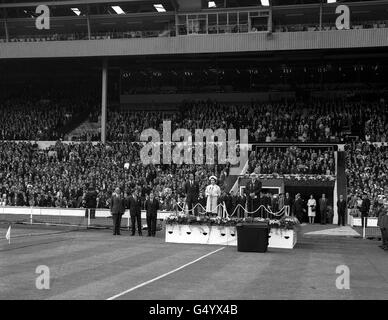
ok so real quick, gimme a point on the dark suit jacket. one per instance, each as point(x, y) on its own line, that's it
point(298, 207)
point(152, 207)
point(323, 203)
point(91, 199)
point(341, 206)
point(117, 205)
point(253, 188)
point(267, 201)
point(382, 221)
point(134, 205)
point(192, 191)
point(288, 201)
point(241, 199)
point(365, 205)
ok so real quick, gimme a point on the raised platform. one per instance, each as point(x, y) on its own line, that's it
point(224, 235)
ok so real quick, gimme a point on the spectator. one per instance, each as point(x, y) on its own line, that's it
point(364, 209)
point(341, 209)
point(323, 204)
point(311, 205)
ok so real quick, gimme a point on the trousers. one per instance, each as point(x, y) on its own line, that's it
point(384, 236)
point(136, 218)
point(116, 223)
point(341, 218)
point(151, 224)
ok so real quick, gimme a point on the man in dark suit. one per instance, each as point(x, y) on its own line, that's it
point(117, 210)
point(228, 199)
point(299, 208)
point(91, 203)
point(152, 207)
point(341, 206)
point(252, 192)
point(364, 209)
point(134, 204)
point(323, 203)
point(192, 192)
point(267, 204)
point(382, 222)
point(288, 203)
point(275, 203)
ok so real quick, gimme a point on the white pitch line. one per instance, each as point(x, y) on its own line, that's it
point(163, 275)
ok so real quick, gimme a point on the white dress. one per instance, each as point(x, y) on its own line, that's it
point(212, 193)
point(310, 204)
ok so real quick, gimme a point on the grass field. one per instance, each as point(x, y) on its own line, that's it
point(93, 264)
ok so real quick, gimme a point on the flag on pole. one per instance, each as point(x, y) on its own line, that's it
point(8, 235)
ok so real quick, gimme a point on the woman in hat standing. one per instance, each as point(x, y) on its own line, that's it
point(311, 205)
point(212, 193)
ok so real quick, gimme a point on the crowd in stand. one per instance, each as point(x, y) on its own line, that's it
point(316, 27)
point(266, 122)
point(292, 160)
point(26, 119)
point(367, 172)
point(30, 118)
point(127, 126)
point(41, 120)
point(60, 175)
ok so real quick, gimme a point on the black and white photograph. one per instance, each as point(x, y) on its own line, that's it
point(194, 157)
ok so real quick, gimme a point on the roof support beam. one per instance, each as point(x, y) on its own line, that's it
point(67, 3)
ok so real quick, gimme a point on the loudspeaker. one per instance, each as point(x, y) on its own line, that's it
point(252, 237)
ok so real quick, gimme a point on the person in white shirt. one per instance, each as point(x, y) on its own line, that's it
point(311, 205)
point(3, 200)
point(212, 192)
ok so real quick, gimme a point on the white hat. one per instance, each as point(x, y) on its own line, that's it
point(253, 174)
point(213, 177)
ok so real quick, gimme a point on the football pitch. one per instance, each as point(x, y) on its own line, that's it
point(93, 264)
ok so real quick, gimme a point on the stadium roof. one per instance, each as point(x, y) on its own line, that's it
point(175, 3)
point(24, 3)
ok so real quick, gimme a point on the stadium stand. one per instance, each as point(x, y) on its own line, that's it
point(59, 176)
point(294, 122)
point(366, 170)
point(292, 160)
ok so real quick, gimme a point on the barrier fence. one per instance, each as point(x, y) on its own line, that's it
point(222, 211)
point(66, 217)
point(366, 226)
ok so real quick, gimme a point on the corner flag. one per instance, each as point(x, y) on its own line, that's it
point(8, 235)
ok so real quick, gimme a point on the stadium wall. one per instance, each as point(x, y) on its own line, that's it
point(249, 42)
point(68, 212)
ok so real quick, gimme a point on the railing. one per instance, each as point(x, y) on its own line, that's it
point(218, 29)
point(93, 36)
point(183, 30)
point(294, 177)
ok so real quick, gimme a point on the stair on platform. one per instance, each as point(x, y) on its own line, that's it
point(85, 131)
point(231, 182)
